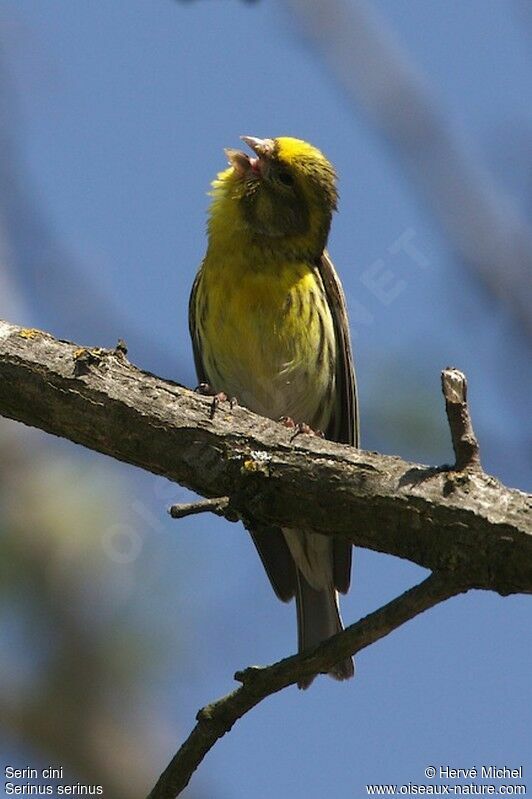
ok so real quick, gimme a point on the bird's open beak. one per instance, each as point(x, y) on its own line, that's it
point(240, 162)
point(262, 147)
point(243, 164)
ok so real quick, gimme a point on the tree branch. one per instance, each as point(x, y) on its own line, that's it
point(465, 444)
point(214, 720)
point(219, 506)
point(461, 522)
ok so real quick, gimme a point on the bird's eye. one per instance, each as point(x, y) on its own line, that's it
point(286, 178)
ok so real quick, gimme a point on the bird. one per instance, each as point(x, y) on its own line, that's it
point(269, 327)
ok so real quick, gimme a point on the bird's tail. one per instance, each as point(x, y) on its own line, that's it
point(318, 617)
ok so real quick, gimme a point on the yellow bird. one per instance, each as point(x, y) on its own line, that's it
point(269, 326)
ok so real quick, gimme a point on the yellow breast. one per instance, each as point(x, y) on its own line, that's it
point(267, 337)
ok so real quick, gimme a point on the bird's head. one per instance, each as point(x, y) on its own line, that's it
point(281, 196)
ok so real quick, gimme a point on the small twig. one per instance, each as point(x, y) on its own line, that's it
point(214, 720)
point(465, 444)
point(219, 506)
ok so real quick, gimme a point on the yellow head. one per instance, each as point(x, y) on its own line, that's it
point(282, 197)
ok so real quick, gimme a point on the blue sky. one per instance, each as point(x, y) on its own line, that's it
point(124, 111)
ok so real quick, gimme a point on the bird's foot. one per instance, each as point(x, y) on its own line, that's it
point(299, 428)
point(207, 390)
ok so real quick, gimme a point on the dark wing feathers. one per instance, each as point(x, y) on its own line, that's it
point(277, 560)
point(194, 334)
point(344, 425)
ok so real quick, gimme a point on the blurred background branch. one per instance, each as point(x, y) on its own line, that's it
point(376, 73)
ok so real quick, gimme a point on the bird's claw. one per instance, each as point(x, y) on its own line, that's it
point(287, 421)
point(299, 428)
point(206, 390)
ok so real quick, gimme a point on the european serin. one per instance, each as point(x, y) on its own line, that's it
point(269, 326)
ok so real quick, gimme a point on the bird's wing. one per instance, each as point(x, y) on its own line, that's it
point(344, 424)
point(194, 333)
point(277, 561)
